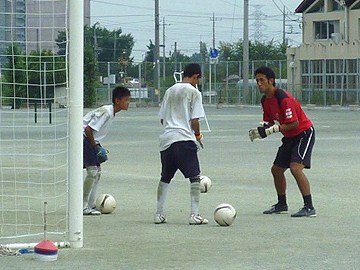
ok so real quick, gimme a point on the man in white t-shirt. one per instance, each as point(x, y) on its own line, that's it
point(96, 126)
point(180, 112)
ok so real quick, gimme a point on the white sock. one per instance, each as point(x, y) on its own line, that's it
point(195, 197)
point(92, 197)
point(161, 196)
point(91, 173)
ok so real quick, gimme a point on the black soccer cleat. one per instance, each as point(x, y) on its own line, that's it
point(305, 212)
point(277, 209)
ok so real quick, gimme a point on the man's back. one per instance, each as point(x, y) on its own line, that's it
point(182, 102)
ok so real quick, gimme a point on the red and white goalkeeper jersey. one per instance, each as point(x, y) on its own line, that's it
point(282, 107)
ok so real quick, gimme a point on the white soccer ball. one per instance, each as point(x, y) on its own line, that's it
point(224, 214)
point(205, 184)
point(105, 203)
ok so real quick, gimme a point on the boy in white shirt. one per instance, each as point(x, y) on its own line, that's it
point(96, 126)
point(179, 114)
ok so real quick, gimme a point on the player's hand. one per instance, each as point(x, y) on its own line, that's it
point(254, 134)
point(199, 139)
point(269, 130)
point(263, 132)
point(264, 124)
point(101, 154)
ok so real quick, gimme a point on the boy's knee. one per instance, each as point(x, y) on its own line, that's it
point(93, 171)
point(276, 170)
point(296, 167)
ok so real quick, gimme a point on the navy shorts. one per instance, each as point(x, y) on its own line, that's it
point(89, 154)
point(180, 156)
point(296, 149)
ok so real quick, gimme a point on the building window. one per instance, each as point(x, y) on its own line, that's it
point(324, 29)
point(317, 66)
point(318, 7)
point(335, 6)
point(356, 6)
point(330, 81)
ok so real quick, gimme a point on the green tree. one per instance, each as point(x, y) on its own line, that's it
point(90, 76)
point(61, 42)
point(110, 46)
point(27, 76)
point(14, 75)
point(44, 70)
point(172, 64)
point(202, 56)
point(257, 51)
point(150, 54)
point(262, 53)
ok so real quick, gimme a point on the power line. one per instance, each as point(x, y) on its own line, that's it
point(120, 5)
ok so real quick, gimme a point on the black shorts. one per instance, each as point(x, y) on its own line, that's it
point(89, 154)
point(180, 156)
point(296, 149)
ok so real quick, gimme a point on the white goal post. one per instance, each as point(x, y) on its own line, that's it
point(41, 109)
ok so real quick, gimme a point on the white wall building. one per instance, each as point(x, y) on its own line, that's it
point(325, 68)
point(34, 24)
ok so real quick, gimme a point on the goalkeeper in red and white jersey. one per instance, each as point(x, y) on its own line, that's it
point(283, 113)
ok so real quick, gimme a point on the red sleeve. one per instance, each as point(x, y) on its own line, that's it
point(288, 109)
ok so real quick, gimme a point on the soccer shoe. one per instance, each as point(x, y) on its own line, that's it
point(197, 220)
point(277, 209)
point(91, 212)
point(305, 212)
point(159, 218)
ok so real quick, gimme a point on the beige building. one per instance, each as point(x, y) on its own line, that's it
point(34, 24)
point(325, 68)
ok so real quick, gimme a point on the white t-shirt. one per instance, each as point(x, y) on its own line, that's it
point(99, 120)
point(182, 102)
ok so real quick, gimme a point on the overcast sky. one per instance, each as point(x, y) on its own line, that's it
point(187, 22)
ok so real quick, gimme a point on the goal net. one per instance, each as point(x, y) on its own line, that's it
point(34, 121)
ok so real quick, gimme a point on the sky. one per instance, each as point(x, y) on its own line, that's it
point(187, 22)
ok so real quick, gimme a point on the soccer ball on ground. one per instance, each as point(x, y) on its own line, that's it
point(224, 214)
point(105, 203)
point(205, 184)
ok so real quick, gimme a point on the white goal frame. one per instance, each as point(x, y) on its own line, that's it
point(73, 234)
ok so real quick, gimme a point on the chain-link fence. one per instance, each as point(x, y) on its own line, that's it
point(222, 82)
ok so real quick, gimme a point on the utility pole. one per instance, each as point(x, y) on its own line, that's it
point(284, 36)
point(157, 49)
point(175, 55)
point(115, 37)
point(96, 49)
point(202, 65)
point(214, 19)
point(246, 51)
point(163, 47)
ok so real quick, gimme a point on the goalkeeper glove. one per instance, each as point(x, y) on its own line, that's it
point(262, 132)
point(101, 154)
point(199, 138)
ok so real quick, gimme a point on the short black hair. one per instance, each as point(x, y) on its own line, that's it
point(268, 72)
point(192, 69)
point(120, 92)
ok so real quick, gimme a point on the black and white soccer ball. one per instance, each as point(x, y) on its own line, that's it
point(105, 203)
point(205, 184)
point(224, 214)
